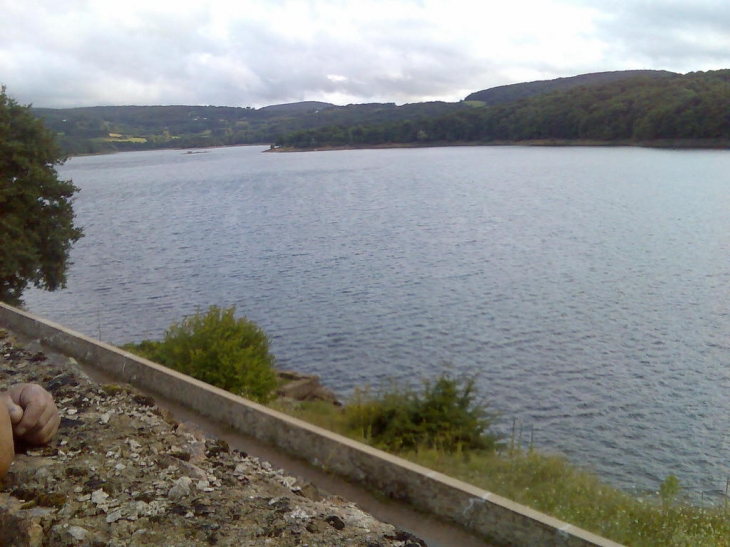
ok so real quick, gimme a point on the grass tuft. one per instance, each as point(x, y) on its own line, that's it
point(545, 482)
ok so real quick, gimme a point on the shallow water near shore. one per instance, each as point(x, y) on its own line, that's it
point(585, 288)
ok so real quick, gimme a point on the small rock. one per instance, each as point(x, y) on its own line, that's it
point(298, 514)
point(113, 516)
point(99, 496)
point(309, 491)
point(134, 445)
point(407, 538)
point(144, 400)
point(288, 481)
point(204, 486)
point(62, 534)
point(181, 489)
point(336, 522)
point(192, 471)
point(77, 532)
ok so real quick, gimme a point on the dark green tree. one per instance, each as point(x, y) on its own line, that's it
point(36, 214)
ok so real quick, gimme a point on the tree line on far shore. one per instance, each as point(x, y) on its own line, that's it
point(641, 109)
point(106, 129)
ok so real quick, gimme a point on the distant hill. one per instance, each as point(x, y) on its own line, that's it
point(649, 109)
point(514, 92)
point(304, 107)
point(630, 104)
point(102, 129)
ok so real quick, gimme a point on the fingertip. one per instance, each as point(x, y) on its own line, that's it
point(16, 414)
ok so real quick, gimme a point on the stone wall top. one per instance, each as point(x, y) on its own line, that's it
point(122, 472)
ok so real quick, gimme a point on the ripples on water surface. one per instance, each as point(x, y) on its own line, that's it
point(586, 288)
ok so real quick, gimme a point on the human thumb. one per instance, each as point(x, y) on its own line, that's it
point(14, 411)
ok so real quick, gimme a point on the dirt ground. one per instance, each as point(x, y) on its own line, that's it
point(123, 472)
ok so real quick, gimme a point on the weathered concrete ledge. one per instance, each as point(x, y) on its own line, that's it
point(124, 472)
point(484, 513)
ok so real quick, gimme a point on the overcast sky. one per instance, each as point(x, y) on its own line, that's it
point(261, 52)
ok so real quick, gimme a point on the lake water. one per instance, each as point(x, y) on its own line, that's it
point(585, 288)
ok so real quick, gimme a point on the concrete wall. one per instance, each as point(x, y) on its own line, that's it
point(493, 517)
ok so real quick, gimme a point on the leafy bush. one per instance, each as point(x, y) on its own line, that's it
point(217, 348)
point(444, 415)
point(551, 484)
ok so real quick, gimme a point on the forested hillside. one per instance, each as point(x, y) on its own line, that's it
point(637, 106)
point(117, 128)
point(640, 109)
point(514, 92)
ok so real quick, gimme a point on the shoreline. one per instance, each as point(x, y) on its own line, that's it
point(671, 144)
point(679, 144)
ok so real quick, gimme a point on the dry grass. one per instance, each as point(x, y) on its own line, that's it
point(552, 485)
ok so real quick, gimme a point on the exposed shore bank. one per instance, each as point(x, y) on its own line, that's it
point(683, 144)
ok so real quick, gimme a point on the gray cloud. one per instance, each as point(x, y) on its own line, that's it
point(679, 35)
point(283, 51)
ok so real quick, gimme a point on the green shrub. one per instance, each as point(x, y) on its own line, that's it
point(218, 348)
point(443, 415)
point(551, 484)
point(669, 489)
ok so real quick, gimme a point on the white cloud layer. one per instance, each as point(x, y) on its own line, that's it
point(260, 52)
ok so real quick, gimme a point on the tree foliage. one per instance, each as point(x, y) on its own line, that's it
point(101, 129)
point(694, 106)
point(444, 415)
point(216, 347)
point(513, 92)
point(36, 214)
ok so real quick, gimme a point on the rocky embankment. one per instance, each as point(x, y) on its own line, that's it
point(123, 472)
